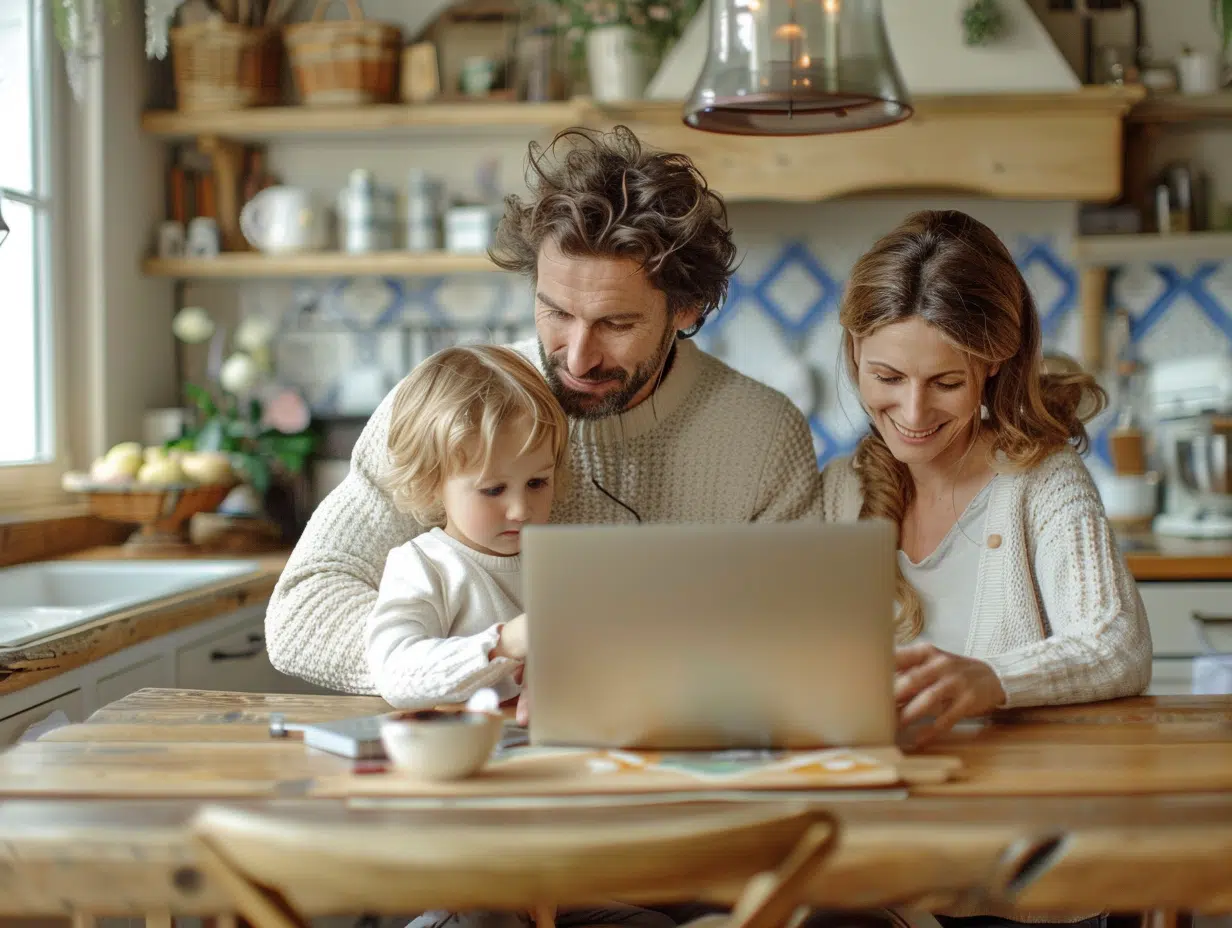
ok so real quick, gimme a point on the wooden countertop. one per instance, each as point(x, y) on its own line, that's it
point(32, 663)
point(1156, 557)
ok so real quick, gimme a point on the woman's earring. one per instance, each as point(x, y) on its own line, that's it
point(983, 413)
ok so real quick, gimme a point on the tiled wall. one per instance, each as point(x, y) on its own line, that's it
point(345, 342)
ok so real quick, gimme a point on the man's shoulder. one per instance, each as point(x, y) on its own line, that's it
point(728, 388)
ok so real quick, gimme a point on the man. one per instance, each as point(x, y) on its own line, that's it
point(629, 252)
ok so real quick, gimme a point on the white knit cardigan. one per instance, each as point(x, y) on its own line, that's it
point(1057, 613)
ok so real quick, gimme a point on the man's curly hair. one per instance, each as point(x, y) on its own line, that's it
point(611, 197)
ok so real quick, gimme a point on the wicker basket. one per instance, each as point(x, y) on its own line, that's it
point(346, 62)
point(222, 66)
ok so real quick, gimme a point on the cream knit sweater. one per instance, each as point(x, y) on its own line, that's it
point(1057, 614)
point(437, 617)
point(710, 445)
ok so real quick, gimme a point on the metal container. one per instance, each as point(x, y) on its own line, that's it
point(366, 215)
point(423, 212)
point(1204, 464)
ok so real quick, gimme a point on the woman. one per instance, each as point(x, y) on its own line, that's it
point(1011, 589)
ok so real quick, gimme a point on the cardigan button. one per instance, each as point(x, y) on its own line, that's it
point(994, 541)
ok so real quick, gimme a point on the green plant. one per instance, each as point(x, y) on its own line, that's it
point(1221, 12)
point(266, 430)
point(238, 428)
point(983, 22)
point(661, 22)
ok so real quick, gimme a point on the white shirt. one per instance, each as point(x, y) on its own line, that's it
point(1056, 614)
point(437, 618)
point(946, 578)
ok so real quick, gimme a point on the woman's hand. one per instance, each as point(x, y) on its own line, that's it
point(947, 687)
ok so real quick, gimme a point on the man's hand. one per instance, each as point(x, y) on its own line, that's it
point(512, 640)
point(946, 687)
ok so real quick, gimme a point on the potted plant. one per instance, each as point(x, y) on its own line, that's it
point(622, 40)
point(264, 427)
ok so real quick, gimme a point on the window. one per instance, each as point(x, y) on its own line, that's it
point(27, 431)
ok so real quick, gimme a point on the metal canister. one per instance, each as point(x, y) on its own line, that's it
point(365, 214)
point(423, 213)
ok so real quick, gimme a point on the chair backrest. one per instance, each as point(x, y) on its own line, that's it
point(505, 858)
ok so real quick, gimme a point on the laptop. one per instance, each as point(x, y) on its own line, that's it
point(711, 637)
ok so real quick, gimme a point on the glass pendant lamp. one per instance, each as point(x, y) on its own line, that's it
point(797, 67)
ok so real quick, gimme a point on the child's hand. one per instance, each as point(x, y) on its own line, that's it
point(512, 641)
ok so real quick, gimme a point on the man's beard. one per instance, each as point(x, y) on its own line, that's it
point(578, 404)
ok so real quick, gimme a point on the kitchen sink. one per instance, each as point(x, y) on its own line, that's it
point(40, 599)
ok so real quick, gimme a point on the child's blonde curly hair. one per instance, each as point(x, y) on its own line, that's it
point(447, 413)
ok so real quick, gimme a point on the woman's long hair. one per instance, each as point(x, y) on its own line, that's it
point(954, 273)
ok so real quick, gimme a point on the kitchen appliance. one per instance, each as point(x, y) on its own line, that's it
point(1191, 403)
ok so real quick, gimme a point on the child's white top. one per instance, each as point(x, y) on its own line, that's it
point(436, 620)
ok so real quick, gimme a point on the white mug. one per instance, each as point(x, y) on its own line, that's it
point(170, 239)
point(1198, 72)
point(203, 238)
point(283, 220)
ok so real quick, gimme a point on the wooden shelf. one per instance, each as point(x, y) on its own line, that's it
point(253, 265)
point(1109, 250)
point(273, 121)
point(1182, 109)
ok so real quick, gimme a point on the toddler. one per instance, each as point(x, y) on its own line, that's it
point(478, 447)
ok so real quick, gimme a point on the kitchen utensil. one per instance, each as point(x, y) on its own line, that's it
point(438, 745)
point(283, 220)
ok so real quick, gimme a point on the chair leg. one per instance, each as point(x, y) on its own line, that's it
point(771, 899)
point(258, 907)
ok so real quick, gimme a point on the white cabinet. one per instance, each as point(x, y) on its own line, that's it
point(234, 659)
point(150, 671)
point(225, 653)
point(11, 728)
point(1172, 610)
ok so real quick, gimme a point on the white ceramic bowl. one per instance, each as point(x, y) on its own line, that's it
point(435, 745)
point(1129, 498)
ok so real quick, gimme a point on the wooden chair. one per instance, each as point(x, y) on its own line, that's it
point(279, 869)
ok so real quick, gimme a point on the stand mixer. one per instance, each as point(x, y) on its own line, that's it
point(1191, 403)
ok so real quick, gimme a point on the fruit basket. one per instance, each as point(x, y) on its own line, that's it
point(154, 490)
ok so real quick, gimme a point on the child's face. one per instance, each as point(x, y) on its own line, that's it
point(486, 510)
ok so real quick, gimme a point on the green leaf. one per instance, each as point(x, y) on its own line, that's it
point(254, 411)
point(302, 444)
point(257, 471)
point(292, 462)
point(200, 397)
point(211, 437)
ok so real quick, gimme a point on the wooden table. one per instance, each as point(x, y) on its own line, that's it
point(1138, 794)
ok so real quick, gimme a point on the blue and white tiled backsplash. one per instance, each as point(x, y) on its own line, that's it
point(778, 325)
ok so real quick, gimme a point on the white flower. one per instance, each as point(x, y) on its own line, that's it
point(238, 373)
point(193, 325)
point(254, 333)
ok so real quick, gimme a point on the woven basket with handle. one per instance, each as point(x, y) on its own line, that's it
point(345, 62)
point(222, 66)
